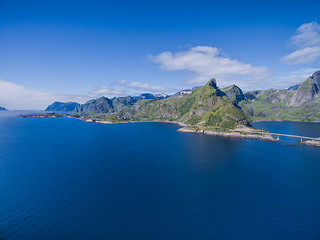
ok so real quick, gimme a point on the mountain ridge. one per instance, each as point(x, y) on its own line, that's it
point(300, 102)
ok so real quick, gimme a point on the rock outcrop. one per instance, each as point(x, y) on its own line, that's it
point(234, 93)
point(99, 105)
point(102, 104)
point(302, 104)
point(64, 107)
point(307, 91)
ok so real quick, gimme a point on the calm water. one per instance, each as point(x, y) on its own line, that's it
point(65, 179)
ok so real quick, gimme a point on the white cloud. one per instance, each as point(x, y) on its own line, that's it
point(302, 56)
point(206, 62)
point(107, 91)
point(140, 86)
point(307, 34)
point(15, 96)
point(307, 41)
point(124, 88)
point(295, 77)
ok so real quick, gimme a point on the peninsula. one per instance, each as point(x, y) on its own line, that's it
point(205, 110)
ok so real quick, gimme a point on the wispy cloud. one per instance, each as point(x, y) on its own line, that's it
point(125, 88)
point(295, 77)
point(306, 40)
point(107, 91)
point(140, 86)
point(15, 96)
point(206, 62)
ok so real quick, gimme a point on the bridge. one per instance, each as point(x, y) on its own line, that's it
point(287, 135)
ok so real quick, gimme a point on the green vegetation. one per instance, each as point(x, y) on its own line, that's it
point(43, 115)
point(207, 106)
point(204, 106)
point(273, 105)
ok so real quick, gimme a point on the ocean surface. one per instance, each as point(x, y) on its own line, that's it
point(66, 179)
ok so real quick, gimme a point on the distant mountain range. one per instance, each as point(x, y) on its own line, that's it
point(103, 104)
point(2, 109)
point(299, 103)
point(202, 106)
point(210, 106)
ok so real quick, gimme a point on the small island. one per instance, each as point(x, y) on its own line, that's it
point(42, 115)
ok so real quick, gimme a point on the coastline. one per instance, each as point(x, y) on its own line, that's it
point(159, 121)
point(233, 133)
point(268, 120)
point(185, 128)
point(313, 143)
point(230, 134)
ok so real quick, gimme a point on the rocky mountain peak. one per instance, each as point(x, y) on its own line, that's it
point(212, 83)
point(306, 91)
point(64, 107)
point(316, 78)
point(234, 93)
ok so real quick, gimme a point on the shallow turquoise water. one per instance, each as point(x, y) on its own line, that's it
point(65, 179)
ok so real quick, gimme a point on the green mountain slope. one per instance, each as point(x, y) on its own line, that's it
point(205, 106)
point(302, 104)
point(209, 106)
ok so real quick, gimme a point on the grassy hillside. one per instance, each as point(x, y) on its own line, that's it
point(275, 104)
point(205, 106)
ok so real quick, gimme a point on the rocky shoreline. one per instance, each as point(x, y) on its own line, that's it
point(230, 134)
point(237, 133)
point(146, 121)
point(185, 128)
point(314, 143)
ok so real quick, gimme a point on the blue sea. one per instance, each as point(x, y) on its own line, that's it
point(66, 179)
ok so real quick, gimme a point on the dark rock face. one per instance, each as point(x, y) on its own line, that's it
point(147, 96)
point(307, 91)
point(2, 109)
point(234, 93)
point(252, 94)
point(316, 78)
point(294, 87)
point(65, 107)
point(121, 102)
point(100, 105)
point(302, 104)
point(212, 83)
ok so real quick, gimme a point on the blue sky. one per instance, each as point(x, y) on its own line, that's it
point(76, 50)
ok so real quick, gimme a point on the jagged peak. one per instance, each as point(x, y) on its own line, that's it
point(212, 83)
point(316, 78)
point(316, 73)
point(233, 86)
